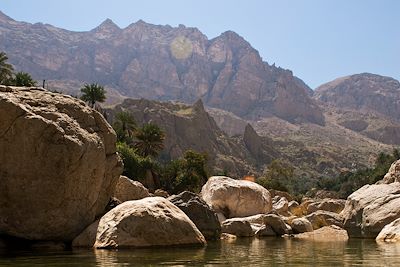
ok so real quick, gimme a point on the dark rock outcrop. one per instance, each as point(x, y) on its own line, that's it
point(199, 212)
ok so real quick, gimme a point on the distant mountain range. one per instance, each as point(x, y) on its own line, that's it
point(341, 125)
point(161, 63)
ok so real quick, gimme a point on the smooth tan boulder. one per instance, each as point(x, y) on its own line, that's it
point(390, 233)
point(237, 227)
point(126, 189)
point(151, 221)
point(236, 198)
point(330, 233)
point(59, 165)
point(356, 203)
point(327, 204)
point(379, 213)
point(322, 218)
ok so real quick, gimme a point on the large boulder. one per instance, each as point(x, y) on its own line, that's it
point(327, 204)
point(381, 212)
point(236, 198)
point(199, 212)
point(357, 202)
point(127, 189)
point(390, 233)
point(151, 221)
point(59, 164)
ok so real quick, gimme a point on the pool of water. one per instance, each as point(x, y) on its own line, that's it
point(242, 252)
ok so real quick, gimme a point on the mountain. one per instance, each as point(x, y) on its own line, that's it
point(365, 91)
point(161, 63)
point(254, 112)
point(365, 103)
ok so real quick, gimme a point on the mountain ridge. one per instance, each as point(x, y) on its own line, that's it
point(162, 63)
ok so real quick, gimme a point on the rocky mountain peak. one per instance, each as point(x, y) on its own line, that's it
point(365, 92)
point(199, 106)
point(4, 18)
point(106, 28)
point(164, 63)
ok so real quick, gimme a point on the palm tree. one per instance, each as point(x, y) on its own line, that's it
point(23, 79)
point(124, 126)
point(93, 93)
point(6, 70)
point(149, 143)
point(150, 140)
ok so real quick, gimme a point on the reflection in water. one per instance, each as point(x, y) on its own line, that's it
point(243, 252)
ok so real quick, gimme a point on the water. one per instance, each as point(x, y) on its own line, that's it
point(243, 252)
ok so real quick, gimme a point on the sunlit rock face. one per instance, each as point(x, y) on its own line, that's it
point(236, 198)
point(151, 221)
point(162, 63)
point(59, 164)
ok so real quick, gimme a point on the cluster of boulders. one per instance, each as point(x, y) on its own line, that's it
point(60, 182)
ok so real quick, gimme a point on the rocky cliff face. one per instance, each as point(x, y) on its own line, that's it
point(365, 92)
point(190, 127)
point(163, 63)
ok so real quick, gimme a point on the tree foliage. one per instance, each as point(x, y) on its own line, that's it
point(92, 93)
point(6, 69)
point(187, 173)
point(124, 126)
point(149, 140)
point(23, 79)
point(277, 175)
point(348, 182)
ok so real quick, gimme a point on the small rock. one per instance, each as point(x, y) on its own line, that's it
point(265, 230)
point(126, 189)
point(228, 237)
point(322, 218)
point(330, 233)
point(301, 225)
point(238, 227)
point(161, 193)
point(390, 233)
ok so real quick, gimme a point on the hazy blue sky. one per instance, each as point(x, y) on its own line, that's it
point(319, 40)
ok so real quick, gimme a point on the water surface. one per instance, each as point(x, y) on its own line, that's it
point(243, 252)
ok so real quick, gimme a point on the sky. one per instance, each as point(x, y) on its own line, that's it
point(319, 40)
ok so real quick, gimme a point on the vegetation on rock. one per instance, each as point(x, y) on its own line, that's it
point(6, 69)
point(23, 79)
point(92, 93)
point(348, 182)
